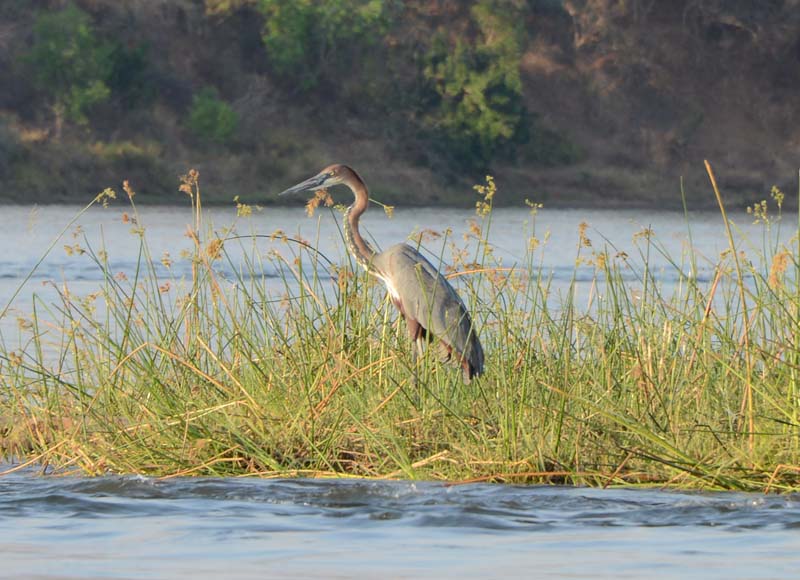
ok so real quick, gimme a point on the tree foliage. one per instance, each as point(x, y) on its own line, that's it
point(131, 76)
point(480, 111)
point(69, 62)
point(211, 118)
point(471, 102)
point(309, 39)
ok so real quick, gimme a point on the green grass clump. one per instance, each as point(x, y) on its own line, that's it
point(308, 374)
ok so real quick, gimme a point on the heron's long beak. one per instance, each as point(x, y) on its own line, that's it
point(312, 183)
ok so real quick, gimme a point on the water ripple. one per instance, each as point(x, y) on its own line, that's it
point(421, 504)
point(360, 528)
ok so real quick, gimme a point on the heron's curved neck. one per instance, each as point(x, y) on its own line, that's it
point(357, 245)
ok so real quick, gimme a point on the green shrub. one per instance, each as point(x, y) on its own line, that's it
point(130, 77)
point(479, 113)
point(69, 63)
point(211, 118)
point(307, 39)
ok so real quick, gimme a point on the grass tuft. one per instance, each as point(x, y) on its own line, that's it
point(232, 371)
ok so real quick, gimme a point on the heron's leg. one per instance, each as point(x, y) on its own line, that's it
point(420, 344)
point(414, 367)
point(415, 334)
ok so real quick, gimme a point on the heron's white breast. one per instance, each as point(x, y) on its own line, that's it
point(389, 286)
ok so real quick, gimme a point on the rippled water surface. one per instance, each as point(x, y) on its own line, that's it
point(136, 527)
point(31, 230)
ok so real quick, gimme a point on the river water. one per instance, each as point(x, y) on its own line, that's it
point(29, 234)
point(136, 527)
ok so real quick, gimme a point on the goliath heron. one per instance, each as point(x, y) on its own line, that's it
point(426, 300)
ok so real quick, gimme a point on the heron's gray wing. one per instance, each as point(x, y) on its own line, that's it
point(428, 298)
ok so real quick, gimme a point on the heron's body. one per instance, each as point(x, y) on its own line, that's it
point(425, 299)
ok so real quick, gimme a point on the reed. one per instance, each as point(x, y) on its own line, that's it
point(309, 374)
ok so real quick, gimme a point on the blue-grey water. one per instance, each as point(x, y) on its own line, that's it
point(136, 527)
point(26, 232)
point(32, 247)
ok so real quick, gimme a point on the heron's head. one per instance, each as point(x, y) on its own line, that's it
point(328, 177)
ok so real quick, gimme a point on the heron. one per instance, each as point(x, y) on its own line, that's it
point(429, 304)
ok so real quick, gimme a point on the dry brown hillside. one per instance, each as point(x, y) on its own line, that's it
point(650, 89)
point(585, 102)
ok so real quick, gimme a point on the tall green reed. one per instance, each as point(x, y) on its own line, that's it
point(276, 360)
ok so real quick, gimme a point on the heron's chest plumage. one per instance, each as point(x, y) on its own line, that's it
point(393, 293)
